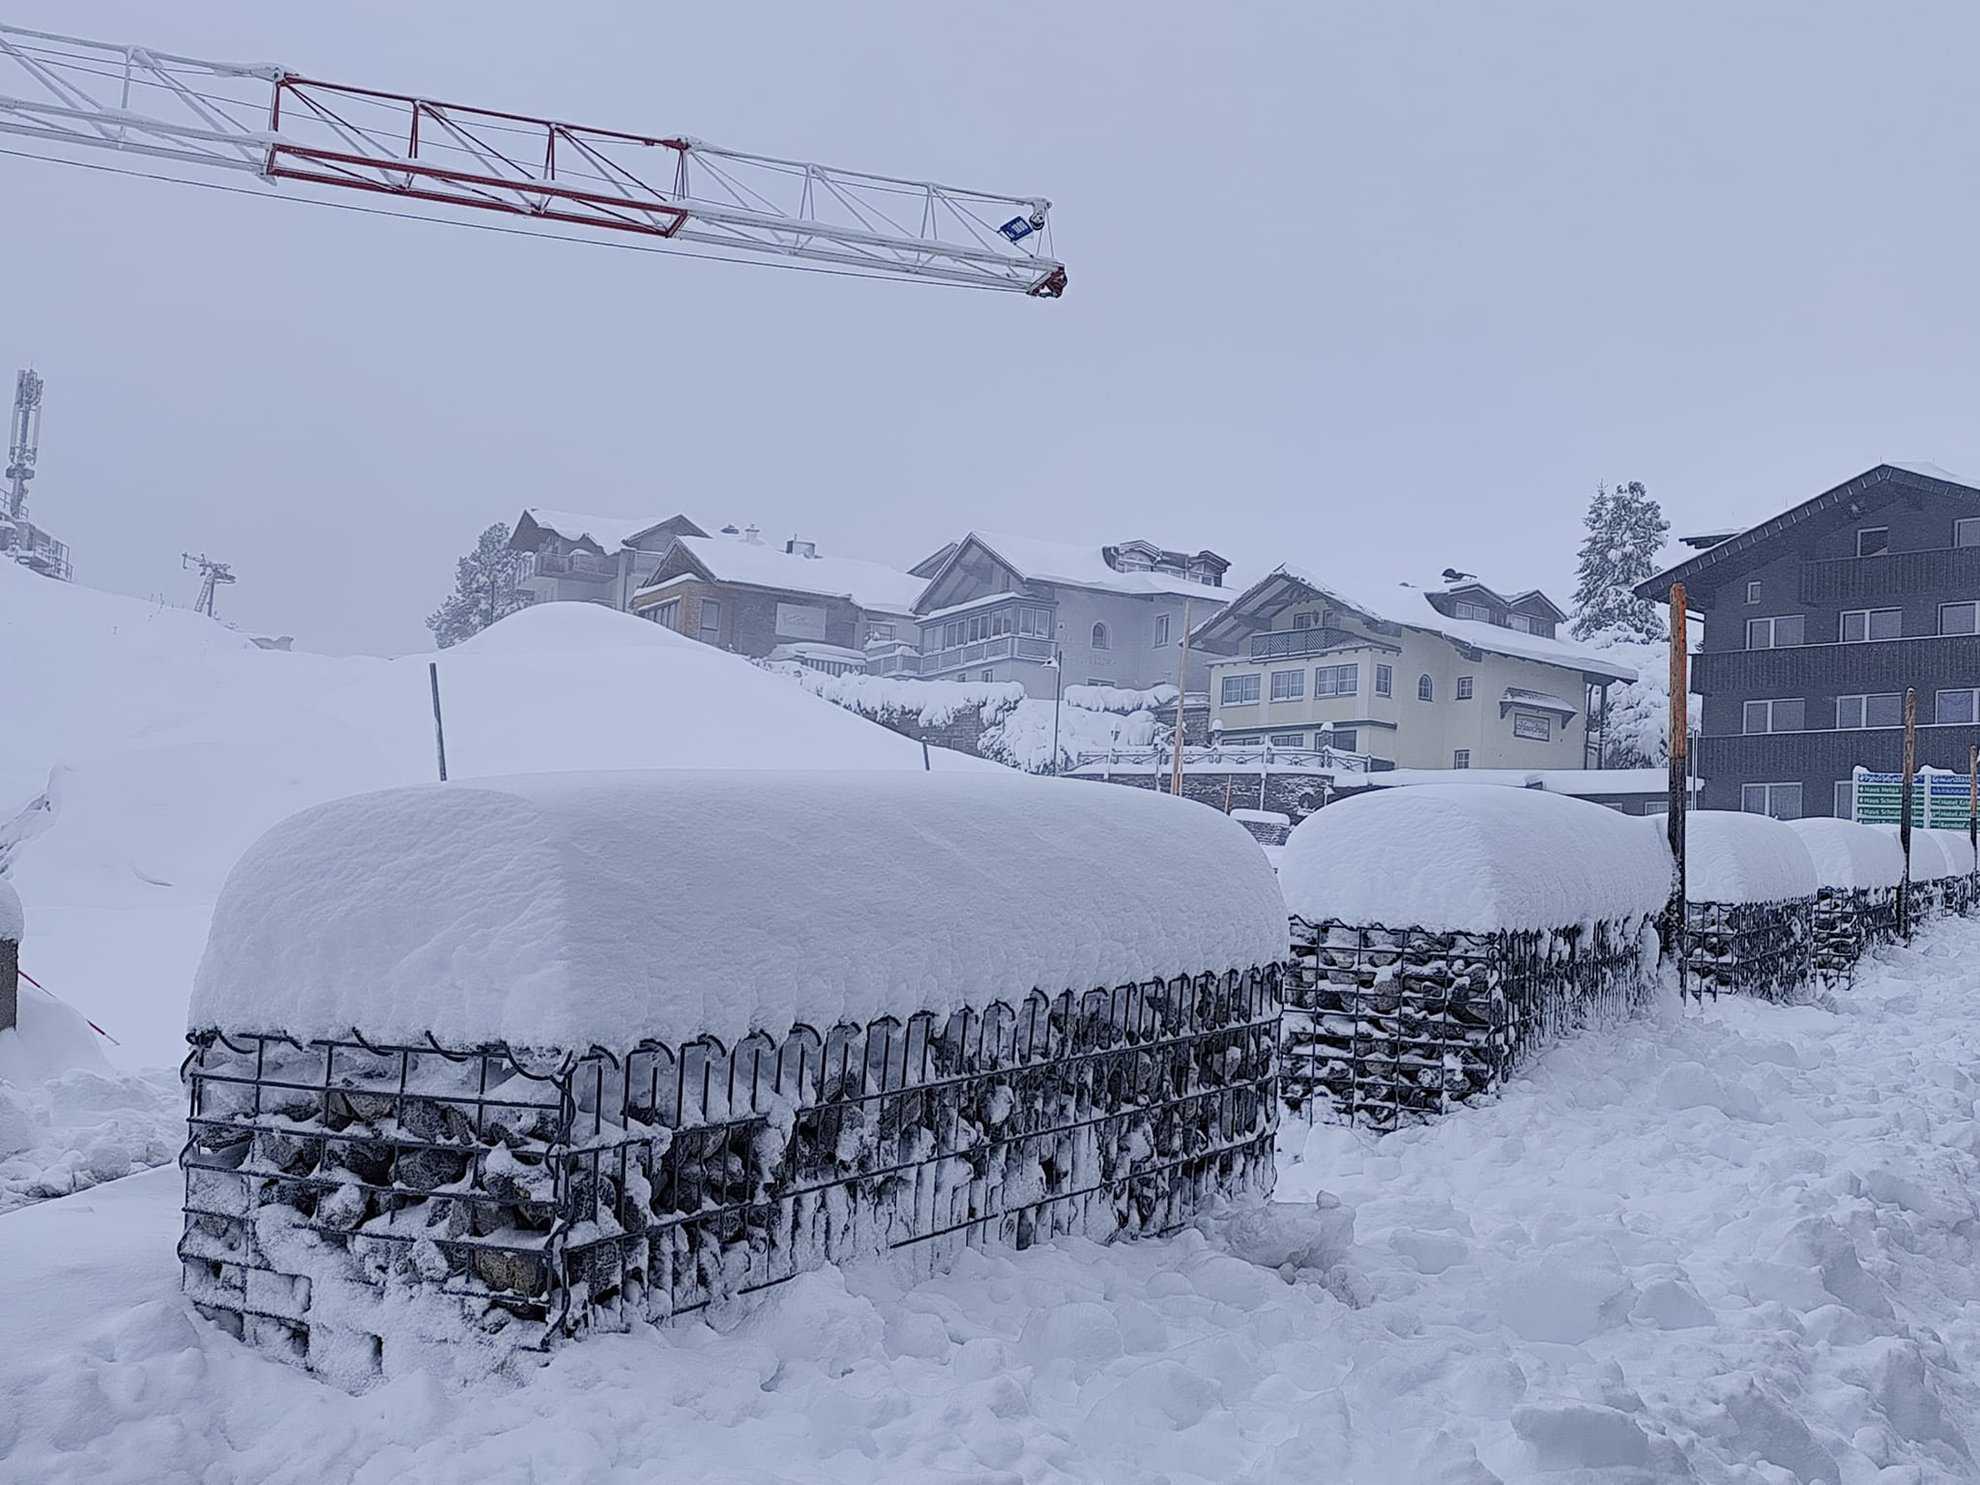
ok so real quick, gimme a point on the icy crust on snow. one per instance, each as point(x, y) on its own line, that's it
point(1477, 857)
point(1848, 856)
point(563, 910)
point(1731, 856)
point(13, 922)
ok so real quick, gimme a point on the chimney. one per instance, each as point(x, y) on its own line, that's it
point(801, 548)
point(753, 534)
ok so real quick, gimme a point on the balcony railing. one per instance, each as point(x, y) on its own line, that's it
point(1843, 579)
point(1928, 662)
point(586, 566)
point(1281, 643)
point(997, 647)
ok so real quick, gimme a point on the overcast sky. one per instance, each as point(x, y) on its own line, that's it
point(1375, 289)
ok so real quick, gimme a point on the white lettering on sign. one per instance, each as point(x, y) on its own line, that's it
point(800, 621)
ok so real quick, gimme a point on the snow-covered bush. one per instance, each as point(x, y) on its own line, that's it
point(927, 703)
point(1750, 887)
point(511, 1060)
point(1442, 933)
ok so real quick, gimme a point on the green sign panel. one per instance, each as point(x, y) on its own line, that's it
point(1939, 801)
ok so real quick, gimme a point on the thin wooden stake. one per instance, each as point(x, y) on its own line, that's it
point(1680, 747)
point(439, 730)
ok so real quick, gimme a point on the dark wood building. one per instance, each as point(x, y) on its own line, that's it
point(1816, 623)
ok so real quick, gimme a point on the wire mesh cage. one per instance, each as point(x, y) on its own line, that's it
point(1384, 1025)
point(539, 1197)
point(1766, 949)
point(1845, 924)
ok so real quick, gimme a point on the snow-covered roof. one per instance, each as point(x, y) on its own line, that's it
point(13, 922)
point(1412, 607)
point(1081, 565)
point(610, 532)
point(1542, 701)
point(1578, 781)
point(1848, 856)
point(868, 584)
point(563, 910)
point(1473, 857)
point(1731, 856)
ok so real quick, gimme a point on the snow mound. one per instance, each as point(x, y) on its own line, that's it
point(1120, 698)
point(1473, 856)
point(1848, 856)
point(1929, 862)
point(562, 910)
point(1731, 856)
point(1957, 849)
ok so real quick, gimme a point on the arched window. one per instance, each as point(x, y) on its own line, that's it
point(1426, 689)
point(1099, 636)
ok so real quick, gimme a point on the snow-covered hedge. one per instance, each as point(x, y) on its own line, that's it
point(1121, 699)
point(500, 1062)
point(1443, 933)
point(928, 703)
point(1731, 856)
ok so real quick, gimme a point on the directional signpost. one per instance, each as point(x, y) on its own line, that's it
point(1940, 800)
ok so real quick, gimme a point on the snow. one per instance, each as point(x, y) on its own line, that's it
point(868, 584)
point(563, 910)
point(1733, 1244)
point(1577, 781)
point(1932, 471)
point(610, 532)
point(1731, 856)
point(929, 703)
point(13, 920)
point(1544, 701)
point(1023, 737)
point(1474, 857)
point(175, 743)
point(1848, 856)
point(1957, 847)
point(1121, 698)
point(1929, 861)
point(1082, 566)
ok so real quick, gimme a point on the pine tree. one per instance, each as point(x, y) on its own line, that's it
point(487, 587)
point(1626, 530)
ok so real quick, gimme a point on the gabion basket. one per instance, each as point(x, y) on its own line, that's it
point(1766, 949)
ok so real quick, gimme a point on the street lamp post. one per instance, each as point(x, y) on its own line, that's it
point(1058, 690)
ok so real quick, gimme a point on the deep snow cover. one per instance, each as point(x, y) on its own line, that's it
point(1957, 847)
point(563, 910)
point(1736, 1245)
point(13, 921)
point(1732, 856)
point(1848, 856)
point(1929, 861)
point(1473, 856)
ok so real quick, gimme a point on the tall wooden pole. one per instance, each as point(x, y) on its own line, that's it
point(1680, 748)
point(1904, 807)
point(1973, 802)
point(439, 731)
point(1182, 671)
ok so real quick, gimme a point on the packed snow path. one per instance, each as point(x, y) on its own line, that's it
point(1736, 1244)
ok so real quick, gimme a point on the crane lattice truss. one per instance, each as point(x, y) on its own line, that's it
point(281, 126)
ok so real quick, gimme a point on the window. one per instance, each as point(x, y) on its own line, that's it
point(1161, 629)
point(1240, 690)
point(1287, 739)
point(1385, 680)
point(879, 632)
point(1782, 801)
point(1100, 637)
point(1753, 590)
point(1336, 680)
point(1873, 541)
point(1303, 621)
point(1885, 709)
point(1461, 758)
point(1464, 688)
point(1346, 739)
point(666, 614)
point(1476, 611)
point(1036, 622)
point(1288, 685)
point(1426, 689)
point(1774, 634)
point(711, 621)
point(1537, 726)
point(1859, 624)
point(1845, 799)
point(989, 675)
point(1959, 618)
point(1774, 716)
point(1956, 706)
point(1966, 533)
point(1523, 624)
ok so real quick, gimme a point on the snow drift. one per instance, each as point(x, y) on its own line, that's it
point(558, 911)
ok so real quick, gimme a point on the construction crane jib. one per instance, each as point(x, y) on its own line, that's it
point(282, 126)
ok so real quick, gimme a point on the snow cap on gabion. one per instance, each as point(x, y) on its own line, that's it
point(13, 921)
point(1849, 857)
point(1957, 848)
point(566, 910)
point(1731, 856)
point(1473, 857)
point(1929, 860)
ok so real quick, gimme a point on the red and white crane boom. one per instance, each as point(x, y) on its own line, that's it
point(280, 125)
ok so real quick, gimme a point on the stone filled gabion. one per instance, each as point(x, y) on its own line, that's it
point(343, 1198)
point(1750, 948)
point(1845, 924)
point(1384, 1025)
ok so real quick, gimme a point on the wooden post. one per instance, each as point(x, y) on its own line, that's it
point(1678, 797)
point(10, 983)
point(439, 732)
point(1904, 807)
point(1182, 671)
point(1973, 803)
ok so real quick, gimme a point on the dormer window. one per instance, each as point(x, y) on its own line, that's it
point(1476, 611)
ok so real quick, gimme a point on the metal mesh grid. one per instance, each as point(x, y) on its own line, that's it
point(1751, 948)
point(1384, 1025)
point(1845, 924)
point(548, 1196)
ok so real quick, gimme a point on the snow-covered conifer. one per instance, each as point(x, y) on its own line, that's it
point(487, 587)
